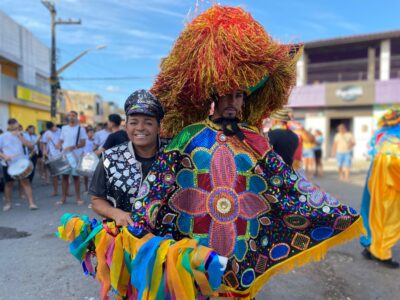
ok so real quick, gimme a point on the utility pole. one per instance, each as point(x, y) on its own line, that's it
point(54, 80)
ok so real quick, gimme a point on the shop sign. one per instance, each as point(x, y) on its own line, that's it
point(349, 93)
point(24, 93)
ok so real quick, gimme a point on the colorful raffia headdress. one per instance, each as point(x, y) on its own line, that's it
point(390, 118)
point(220, 51)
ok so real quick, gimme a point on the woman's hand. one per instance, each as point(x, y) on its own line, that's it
point(122, 218)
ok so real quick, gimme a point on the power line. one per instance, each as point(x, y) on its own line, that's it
point(107, 78)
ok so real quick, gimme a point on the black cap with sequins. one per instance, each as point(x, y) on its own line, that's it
point(144, 103)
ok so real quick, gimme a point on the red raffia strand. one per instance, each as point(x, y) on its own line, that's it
point(223, 50)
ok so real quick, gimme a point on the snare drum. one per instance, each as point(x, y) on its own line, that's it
point(72, 159)
point(87, 164)
point(58, 164)
point(20, 168)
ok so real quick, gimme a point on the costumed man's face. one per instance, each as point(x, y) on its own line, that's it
point(230, 105)
point(142, 130)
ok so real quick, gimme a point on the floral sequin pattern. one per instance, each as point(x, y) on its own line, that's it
point(219, 200)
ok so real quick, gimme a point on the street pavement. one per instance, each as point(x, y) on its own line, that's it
point(34, 264)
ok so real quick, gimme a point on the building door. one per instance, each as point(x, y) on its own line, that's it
point(333, 124)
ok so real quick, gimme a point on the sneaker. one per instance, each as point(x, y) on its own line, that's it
point(7, 207)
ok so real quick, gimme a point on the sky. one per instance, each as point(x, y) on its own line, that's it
point(138, 33)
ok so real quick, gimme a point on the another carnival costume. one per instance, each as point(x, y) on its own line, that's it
point(218, 184)
point(380, 206)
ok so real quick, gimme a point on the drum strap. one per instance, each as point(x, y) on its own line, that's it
point(77, 136)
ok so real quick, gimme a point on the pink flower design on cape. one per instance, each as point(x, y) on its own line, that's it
point(223, 204)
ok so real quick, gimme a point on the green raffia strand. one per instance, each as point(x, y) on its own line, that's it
point(259, 84)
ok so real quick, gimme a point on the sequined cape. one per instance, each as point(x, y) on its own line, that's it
point(241, 199)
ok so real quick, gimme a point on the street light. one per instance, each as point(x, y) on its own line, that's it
point(98, 47)
point(54, 83)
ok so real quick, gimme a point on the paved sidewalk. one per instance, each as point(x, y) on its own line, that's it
point(36, 265)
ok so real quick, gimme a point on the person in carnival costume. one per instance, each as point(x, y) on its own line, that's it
point(380, 206)
point(219, 184)
point(122, 168)
point(119, 253)
point(219, 181)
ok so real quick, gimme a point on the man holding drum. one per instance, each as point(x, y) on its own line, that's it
point(122, 169)
point(50, 139)
point(72, 140)
point(12, 145)
point(31, 136)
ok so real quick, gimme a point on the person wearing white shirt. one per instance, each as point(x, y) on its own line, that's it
point(101, 136)
point(12, 145)
point(50, 140)
point(73, 138)
point(33, 153)
point(89, 147)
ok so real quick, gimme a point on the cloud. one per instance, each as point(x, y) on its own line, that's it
point(134, 52)
point(317, 26)
point(31, 23)
point(166, 12)
point(158, 6)
point(113, 89)
point(331, 19)
point(348, 26)
point(72, 36)
point(148, 35)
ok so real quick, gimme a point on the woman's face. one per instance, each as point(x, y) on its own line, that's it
point(142, 130)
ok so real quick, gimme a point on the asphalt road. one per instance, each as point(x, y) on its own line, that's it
point(34, 264)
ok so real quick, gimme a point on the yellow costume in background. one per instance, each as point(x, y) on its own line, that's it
point(381, 200)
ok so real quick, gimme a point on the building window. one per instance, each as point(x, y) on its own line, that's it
point(42, 82)
point(98, 112)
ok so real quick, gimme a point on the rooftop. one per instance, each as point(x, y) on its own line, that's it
point(353, 39)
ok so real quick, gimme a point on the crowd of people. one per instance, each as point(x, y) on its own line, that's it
point(71, 140)
point(303, 148)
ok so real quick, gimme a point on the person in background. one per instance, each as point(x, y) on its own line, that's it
point(283, 140)
point(101, 135)
point(343, 144)
point(117, 135)
point(49, 141)
point(89, 147)
point(41, 167)
point(296, 127)
point(33, 153)
point(82, 118)
point(12, 145)
point(72, 139)
point(319, 140)
point(308, 151)
point(380, 207)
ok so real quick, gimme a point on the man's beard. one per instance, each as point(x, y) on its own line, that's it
point(230, 126)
